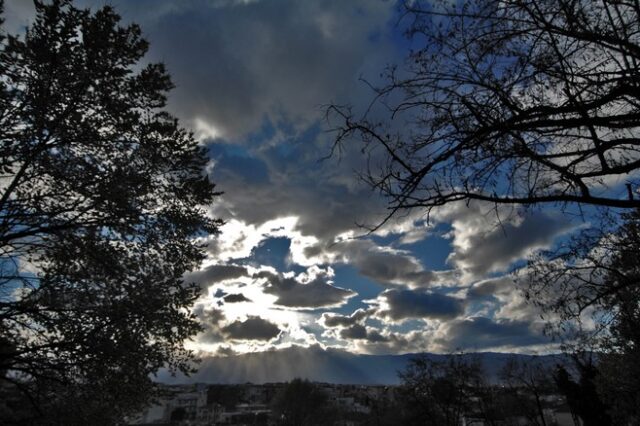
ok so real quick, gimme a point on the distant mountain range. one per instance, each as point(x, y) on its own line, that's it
point(320, 365)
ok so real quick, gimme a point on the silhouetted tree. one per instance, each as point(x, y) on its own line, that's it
point(229, 396)
point(589, 288)
point(178, 415)
point(619, 362)
point(102, 194)
point(383, 413)
point(528, 381)
point(439, 392)
point(582, 396)
point(507, 101)
point(302, 403)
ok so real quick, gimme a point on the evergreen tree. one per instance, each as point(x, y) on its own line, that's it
point(102, 196)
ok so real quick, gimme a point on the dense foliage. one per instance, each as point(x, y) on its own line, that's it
point(302, 403)
point(102, 195)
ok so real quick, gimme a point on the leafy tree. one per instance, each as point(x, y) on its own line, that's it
point(439, 392)
point(619, 363)
point(302, 403)
point(102, 196)
point(178, 415)
point(507, 101)
point(383, 413)
point(590, 291)
point(582, 396)
point(229, 396)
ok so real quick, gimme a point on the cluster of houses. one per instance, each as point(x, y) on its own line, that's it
point(246, 404)
point(251, 404)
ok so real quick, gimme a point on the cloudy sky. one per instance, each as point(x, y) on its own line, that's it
point(292, 266)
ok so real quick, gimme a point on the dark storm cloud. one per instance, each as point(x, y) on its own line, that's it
point(253, 328)
point(488, 239)
point(360, 332)
point(324, 196)
point(386, 267)
point(511, 243)
point(336, 320)
point(210, 319)
point(216, 273)
point(316, 293)
point(403, 304)
point(242, 168)
point(393, 342)
point(235, 298)
point(374, 336)
point(383, 265)
point(263, 68)
point(236, 63)
point(356, 331)
point(481, 333)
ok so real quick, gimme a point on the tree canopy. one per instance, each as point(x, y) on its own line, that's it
point(516, 101)
point(589, 288)
point(439, 392)
point(102, 197)
point(301, 402)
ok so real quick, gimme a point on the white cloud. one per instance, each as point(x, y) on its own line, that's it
point(488, 238)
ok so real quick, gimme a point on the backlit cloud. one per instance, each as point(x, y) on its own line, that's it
point(396, 304)
point(480, 333)
point(315, 291)
point(292, 265)
point(253, 328)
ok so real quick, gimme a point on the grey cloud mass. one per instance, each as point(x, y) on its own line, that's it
point(253, 328)
point(403, 304)
point(481, 333)
point(264, 68)
point(336, 320)
point(381, 264)
point(356, 331)
point(316, 293)
point(236, 64)
point(235, 298)
point(510, 243)
point(489, 239)
point(492, 287)
point(210, 319)
point(384, 267)
point(250, 78)
point(360, 332)
point(216, 273)
point(324, 208)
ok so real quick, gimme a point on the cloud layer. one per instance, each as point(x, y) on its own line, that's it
point(251, 77)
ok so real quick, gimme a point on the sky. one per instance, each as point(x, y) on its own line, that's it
point(293, 265)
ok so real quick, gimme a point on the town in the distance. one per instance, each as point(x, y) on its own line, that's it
point(454, 390)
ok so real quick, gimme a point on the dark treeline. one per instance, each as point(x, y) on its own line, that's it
point(453, 391)
point(458, 391)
